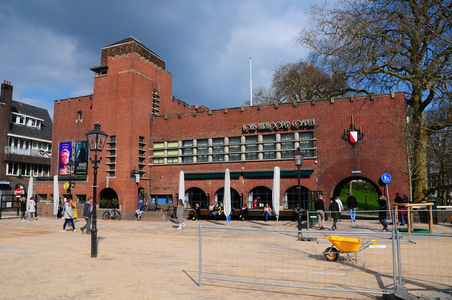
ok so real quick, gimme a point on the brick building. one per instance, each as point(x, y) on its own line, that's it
point(157, 136)
point(25, 142)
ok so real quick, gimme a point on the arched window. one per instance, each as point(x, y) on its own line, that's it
point(235, 198)
point(258, 197)
point(196, 195)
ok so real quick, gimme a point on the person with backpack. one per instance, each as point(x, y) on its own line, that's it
point(68, 215)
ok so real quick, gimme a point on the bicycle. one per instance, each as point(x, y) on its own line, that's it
point(111, 213)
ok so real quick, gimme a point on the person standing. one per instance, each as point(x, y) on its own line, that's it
point(341, 207)
point(23, 208)
point(180, 214)
point(319, 205)
point(334, 208)
point(87, 211)
point(352, 204)
point(31, 209)
point(68, 215)
point(382, 206)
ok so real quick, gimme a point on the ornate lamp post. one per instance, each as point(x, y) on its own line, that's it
point(96, 142)
point(298, 158)
point(70, 170)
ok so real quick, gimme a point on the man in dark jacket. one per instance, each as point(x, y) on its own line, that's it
point(352, 204)
point(87, 211)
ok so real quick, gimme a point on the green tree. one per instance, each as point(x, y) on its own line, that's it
point(387, 45)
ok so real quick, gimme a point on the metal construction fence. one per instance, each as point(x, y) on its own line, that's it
point(420, 220)
point(380, 262)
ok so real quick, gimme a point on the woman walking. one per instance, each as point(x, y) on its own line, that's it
point(68, 215)
point(180, 214)
point(31, 209)
point(382, 205)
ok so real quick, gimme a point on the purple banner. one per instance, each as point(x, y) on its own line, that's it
point(65, 154)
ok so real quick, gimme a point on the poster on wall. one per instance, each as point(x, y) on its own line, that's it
point(81, 158)
point(65, 155)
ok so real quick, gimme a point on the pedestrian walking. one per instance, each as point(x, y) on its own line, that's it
point(68, 215)
point(319, 205)
point(180, 214)
point(87, 212)
point(382, 206)
point(352, 204)
point(23, 208)
point(334, 209)
point(31, 209)
point(341, 207)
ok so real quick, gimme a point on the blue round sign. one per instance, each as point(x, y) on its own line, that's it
point(386, 178)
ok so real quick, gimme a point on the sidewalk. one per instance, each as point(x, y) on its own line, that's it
point(136, 260)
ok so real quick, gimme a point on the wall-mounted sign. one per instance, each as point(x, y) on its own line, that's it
point(279, 125)
point(356, 172)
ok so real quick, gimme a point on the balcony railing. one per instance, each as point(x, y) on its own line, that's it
point(28, 152)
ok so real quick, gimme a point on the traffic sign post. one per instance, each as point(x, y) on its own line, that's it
point(386, 178)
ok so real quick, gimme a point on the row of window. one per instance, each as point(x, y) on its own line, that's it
point(23, 144)
point(26, 120)
point(16, 168)
point(256, 147)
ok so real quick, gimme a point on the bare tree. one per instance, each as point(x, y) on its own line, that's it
point(439, 158)
point(386, 45)
point(299, 81)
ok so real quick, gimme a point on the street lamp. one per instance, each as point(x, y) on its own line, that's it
point(298, 158)
point(96, 142)
point(70, 170)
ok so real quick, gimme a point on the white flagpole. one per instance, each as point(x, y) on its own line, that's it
point(251, 84)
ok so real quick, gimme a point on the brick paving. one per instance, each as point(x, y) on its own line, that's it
point(141, 260)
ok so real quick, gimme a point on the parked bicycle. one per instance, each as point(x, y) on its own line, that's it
point(112, 214)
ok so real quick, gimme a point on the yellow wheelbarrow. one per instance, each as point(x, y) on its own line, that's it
point(344, 245)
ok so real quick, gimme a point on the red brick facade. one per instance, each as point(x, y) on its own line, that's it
point(122, 102)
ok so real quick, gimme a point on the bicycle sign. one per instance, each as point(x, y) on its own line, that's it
point(386, 178)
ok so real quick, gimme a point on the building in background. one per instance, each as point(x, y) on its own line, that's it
point(155, 135)
point(25, 142)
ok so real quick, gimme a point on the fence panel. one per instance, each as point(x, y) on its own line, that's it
point(426, 266)
point(276, 257)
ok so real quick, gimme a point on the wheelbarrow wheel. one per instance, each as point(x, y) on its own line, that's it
point(331, 254)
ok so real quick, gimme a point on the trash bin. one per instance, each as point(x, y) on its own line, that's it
point(424, 215)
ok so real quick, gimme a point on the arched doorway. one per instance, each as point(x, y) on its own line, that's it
point(235, 198)
point(262, 195)
point(108, 198)
point(196, 195)
point(365, 191)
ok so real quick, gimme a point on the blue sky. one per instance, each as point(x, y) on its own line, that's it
point(47, 47)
